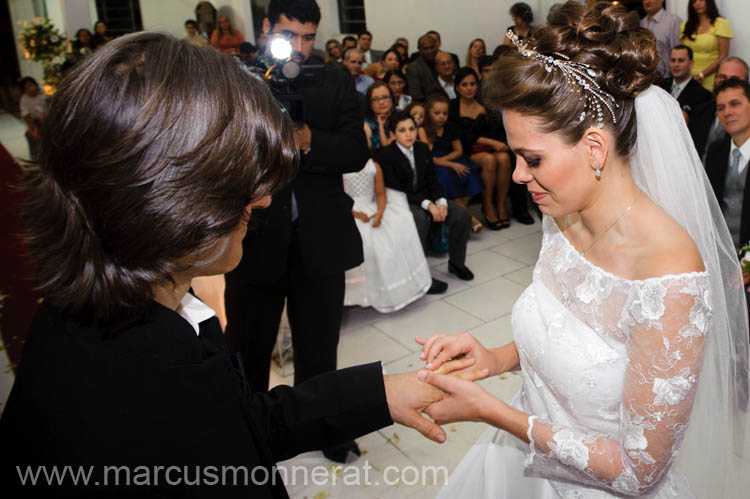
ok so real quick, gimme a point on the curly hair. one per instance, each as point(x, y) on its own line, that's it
point(151, 150)
point(610, 41)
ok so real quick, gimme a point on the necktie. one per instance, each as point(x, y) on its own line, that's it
point(734, 162)
point(675, 91)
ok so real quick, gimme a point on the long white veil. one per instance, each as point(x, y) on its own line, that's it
point(715, 451)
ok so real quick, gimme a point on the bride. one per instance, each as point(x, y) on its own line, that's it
point(632, 340)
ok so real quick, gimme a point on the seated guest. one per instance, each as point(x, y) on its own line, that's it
point(396, 81)
point(347, 43)
point(353, 62)
point(436, 36)
point(391, 61)
point(522, 16)
point(192, 35)
point(81, 45)
point(416, 111)
point(408, 167)
point(483, 138)
point(666, 29)
point(458, 175)
point(364, 42)
point(688, 92)
point(378, 108)
point(477, 49)
point(402, 47)
point(226, 39)
point(101, 34)
point(705, 127)
point(421, 73)
point(333, 51)
point(727, 158)
point(122, 365)
point(446, 70)
point(395, 272)
point(709, 35)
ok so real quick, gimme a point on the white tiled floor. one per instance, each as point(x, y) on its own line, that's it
point(502, 263)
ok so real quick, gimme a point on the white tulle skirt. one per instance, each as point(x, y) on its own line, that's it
point(395, 271)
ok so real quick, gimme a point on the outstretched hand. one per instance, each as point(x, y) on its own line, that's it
point(463, 400)
point(408, 397)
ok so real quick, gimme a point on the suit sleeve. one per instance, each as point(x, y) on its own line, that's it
point(343, 149)
point(323, 411)
point(434, 188)
point(414, 83)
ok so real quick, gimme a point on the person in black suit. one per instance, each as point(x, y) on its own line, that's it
point(304, 243)
point(407, 167)
point(688, 92)
point(123, 367)
point(704, 125)
point(728, 159)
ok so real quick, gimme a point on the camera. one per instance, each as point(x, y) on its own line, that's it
point(284, 76)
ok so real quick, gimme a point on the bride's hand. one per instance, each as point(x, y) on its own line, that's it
point(441, 353)
point(463, 400)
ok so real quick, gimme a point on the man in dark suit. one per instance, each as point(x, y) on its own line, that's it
point(306, 240)
point(421, 74)
point(407, 167)
point(688, 92)
point(727, 160)
point(364, 42)
point(704, 125)
point(436, 36)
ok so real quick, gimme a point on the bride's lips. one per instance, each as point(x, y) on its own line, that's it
point(537, 196)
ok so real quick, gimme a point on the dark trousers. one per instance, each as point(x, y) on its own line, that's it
point(459, 223)
point(314, 307)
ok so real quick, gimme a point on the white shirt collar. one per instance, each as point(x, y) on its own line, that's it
point(744, 153)
point(409, 153)
point(194, 311)
point(680, 86)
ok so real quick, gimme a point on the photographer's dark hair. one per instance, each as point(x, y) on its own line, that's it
point(151, 150)
point(397, 117)
point(610, 40)
point(304, 11)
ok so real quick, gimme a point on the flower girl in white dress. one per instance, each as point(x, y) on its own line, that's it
point(395, 271)
point(632, 340)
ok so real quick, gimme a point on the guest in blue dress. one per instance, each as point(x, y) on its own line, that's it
point(458, 175)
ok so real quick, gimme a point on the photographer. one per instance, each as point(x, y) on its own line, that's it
point(304, 242)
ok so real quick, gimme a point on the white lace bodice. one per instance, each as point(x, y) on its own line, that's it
point(610, 368)
point(361, 184)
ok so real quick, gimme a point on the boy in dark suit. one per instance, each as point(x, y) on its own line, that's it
point(407, 167)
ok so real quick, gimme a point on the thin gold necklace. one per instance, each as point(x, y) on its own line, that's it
point(596, 240)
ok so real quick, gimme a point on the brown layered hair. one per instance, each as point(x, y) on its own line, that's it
point(610, 41)
point(151, 150)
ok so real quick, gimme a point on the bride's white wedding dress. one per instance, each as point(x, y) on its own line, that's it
point(610, 368)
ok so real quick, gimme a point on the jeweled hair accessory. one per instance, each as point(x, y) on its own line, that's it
point(576, 73)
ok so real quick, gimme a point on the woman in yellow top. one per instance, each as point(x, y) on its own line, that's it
point(708, 35)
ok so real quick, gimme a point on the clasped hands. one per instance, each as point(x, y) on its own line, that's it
point(445, 388)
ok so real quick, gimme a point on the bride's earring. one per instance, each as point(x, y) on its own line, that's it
point(598, 172)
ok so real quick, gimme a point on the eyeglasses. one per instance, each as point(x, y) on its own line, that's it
point(382, 97)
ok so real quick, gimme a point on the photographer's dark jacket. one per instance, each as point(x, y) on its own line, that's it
point(158, 394)
point(329, 240)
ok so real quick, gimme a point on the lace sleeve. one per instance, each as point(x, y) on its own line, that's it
point(667, 320)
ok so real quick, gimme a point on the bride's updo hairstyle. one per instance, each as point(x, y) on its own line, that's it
point(619, 54)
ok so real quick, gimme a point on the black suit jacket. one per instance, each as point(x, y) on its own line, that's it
point(701, 119)
point(717, 164)
point(328, 237)
point(691, 96)
point(157, 394)
point(397, 172)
